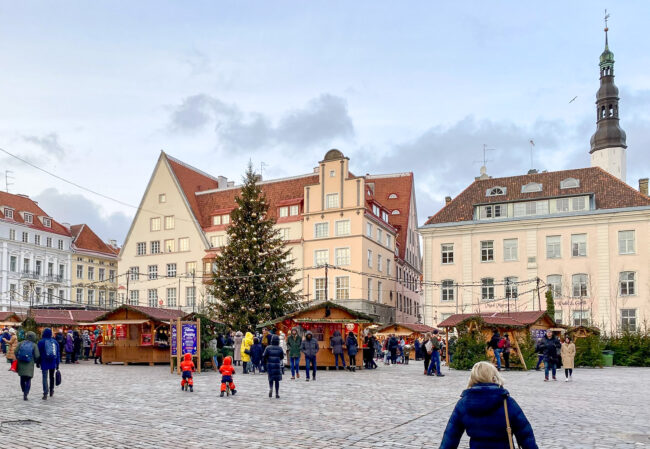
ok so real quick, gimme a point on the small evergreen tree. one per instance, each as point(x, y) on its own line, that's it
point(550, 304)
point(254, 277)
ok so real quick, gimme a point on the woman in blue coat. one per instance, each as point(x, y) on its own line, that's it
point(273, 355)
point(481, 413)
point(353, 348)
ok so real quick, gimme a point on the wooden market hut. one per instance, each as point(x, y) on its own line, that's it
point(136, 334)
point(323, 319)
point(516, 324)
point(10, 319)
point(410, 332)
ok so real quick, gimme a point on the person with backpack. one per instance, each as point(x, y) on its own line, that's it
point(60, 339)
point(504, 345)
point(434, 346)
point(11, 343)
point(494, 344)
point(49, 360)
point(26, 354)
point(309, 347)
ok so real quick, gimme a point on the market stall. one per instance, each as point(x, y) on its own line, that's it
point(516, 324)
point(136, 334)
point(10, 319)
point(323, 319)
point(410, 332)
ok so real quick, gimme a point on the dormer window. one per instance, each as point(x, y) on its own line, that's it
point(375, 209)
point(496, 191)
point(47, 222)
point(395, 212)
point(392, 196)
point(9, 213)
point(569, 183)
point(29, 218)
point(531, 187)
point(384, 216)
point(220, 219)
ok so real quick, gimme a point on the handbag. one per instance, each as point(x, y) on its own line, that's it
point(57, 378)
point(14, 366)
point(508, 428)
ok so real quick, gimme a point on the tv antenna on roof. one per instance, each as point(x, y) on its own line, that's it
point(8, 176)
point(485, 159)
point(262, 165)
point(532, 147)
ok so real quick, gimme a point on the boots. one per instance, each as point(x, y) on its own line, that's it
point(234, 392)
point(191, 389)
point(45, 396)
point(222, 393)
point(271, 393)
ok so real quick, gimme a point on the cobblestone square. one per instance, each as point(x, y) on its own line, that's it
point(141, 406)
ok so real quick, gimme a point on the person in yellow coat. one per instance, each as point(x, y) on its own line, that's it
point(245, 351)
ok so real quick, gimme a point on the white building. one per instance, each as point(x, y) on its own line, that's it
point(35, 255)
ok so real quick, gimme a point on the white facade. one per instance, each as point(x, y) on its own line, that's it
point(612, 160)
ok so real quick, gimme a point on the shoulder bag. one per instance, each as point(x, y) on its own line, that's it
point(508, 428)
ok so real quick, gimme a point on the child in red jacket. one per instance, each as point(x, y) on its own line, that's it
point(227, 371)
point(187, 368)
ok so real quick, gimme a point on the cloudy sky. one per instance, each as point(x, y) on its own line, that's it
point(92, 91)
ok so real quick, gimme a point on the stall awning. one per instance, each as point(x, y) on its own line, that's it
point(99, 323)
point(10, 323)
point(331, 321)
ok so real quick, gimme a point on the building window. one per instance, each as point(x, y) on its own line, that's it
point(531, 187)
point(91, 297)
point(111, 299)
point(578, 245)
point(171, 270)
point(169, 222)
point(48, 242)
point(190, 296)
point(60, 245)
point(332, 200)
point(321, 230)
point(379, 292)
point(25, 237)
point(91, 273)
point(447, 253)
point(487, 251)
point(626, 283)
point(29, 218)
point(184, 244)
point(319, 289)
point(380, 234)
point(190, 268)
point(447, 290)
point(562, 205)
point(152, 297)
point(155, 224)
point(628, 319)
point(342, 256)
point(217, 241)
point(369, 289)
point(13, 264)
point(375, 209)
point(554, 282)
point(9, 213)
point(569, 183)
point(12, 234)
point(493, 211)
point(80, 271)
point(496, 191)
point(111, 275)
point(47, 222)
point(558, 316)
point(379, 264)
point(294, 210)
point(169, 246)
point(284, 233)
point(171, 297)
point(578, 203)
point(134, 273)
point(321, 257)
point(369, 230)
point(37, 240)
point(581, 318)
point(162, 198)
point(332, 174)
point(388, 267)
point(553, 247)
point(155, 247)
point(216, 220)
point(510, 249)
point(369, 258)
point(80, 295)
point(102, 274)
point(225, 219)
point(141, 249)
point(511, 289)
point(487, 289)
point(152, 272)
point(342, 287)
point(342, 227)
point(626, 242)
point(284, 212)
point(389, 241)
point(579, 285)
point(38, 265)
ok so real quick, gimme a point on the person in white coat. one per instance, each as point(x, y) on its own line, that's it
point(283, 345)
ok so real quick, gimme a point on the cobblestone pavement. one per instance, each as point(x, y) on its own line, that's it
point(397, 407)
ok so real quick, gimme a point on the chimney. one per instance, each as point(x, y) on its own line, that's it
point(532, 171)
point(113, 243)
point(316, 169)
point(66, 225)
point(231, 183)
point(643, 186)
point(258, 178)
point(447, 199)
point(222, 182)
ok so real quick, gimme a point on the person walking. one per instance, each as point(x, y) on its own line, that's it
point(99, 340)
point(416, 347)
point(353, 348)
point(11, 343)
point(393, 343)
point(49, 361)
point(245, 351)
point(488, 414)
point(494, 344)
point(568, 353)
point(293, 348)
point(506, 348)
point(60, 339)
point(551, 346)
point(427, 349)
point(4, 336)
point(78, 342)
point(237, 348)
point(336, 344)
point(435, 355)
point(69, 348)
point(273, 356)
point(85, 341)
point(309, 347)
point(27, 355)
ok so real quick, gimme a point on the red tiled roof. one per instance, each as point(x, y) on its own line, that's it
point(516, 319)
point(5, 316)
point(191, 180)
point(415, 327)
point(86, 316)
point(609, 191)
point(24, 204)
point(84, 238)
point(154, 313)
point(51, 317)
point(402, 186)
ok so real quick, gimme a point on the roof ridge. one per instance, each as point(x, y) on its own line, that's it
point(270, 181)
point(625, 184)
point(190, 167)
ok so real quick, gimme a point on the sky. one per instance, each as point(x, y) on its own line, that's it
point(93, 91)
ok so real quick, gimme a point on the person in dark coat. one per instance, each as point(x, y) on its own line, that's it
point(417, 347)
point(336, 343)
point(257, 350)
point(551, 347)
point(353, 348)
point(273, 356)
point(481, 413)
point(25, 368)
point(49, 364)
point(78, 343)
point(309, 347)
point(60, 339)
point(392, 348)
point(293, 352)
point(494, 344)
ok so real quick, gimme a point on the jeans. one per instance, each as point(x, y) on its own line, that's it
point(435, 363)
point(497, 355)
point(506, 358)
point(336, 360)
point(353, 360)
point(310, 359)
point(245, 367)
point(67, 357)
point(568, 372)
point(48, 373)
point(393, 356)
point(549, 365)
point(86, 352)
point(295, 365)
point(25, 384)
point(427, 360)
point(540, 357)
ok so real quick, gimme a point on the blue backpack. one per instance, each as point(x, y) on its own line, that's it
point(26, 352)
point(51, 349)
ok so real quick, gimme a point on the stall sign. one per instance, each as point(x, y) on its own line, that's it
point(538, 333)
point(352, 327)
point(120, 331)
point(188, 339)
point(174, 345)
point(146, 340)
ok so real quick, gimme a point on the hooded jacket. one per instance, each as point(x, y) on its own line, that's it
point(551, 347)
point(12, 343)
point(293, 345)
point(187, 364)
point(481, 414)
point(239, 337)
point(272, 357)
point(336, 343)
point(226, 369)
point(257, 350)
point(27, 368)
point(351, 343)
point(46, 339)
point(246, 346)
point(69, 343)
point(309, 346)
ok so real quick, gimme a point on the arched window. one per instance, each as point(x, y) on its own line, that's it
point(392, 196)
point(569, 183)
point(496, 191)
point(531, 187)
point(395, 212)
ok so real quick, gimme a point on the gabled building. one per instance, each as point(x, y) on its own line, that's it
point(584, 234)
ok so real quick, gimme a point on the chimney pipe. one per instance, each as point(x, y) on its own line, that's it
point(447, 199)
point(643, 186)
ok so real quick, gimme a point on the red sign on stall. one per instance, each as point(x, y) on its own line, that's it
point(120, 331)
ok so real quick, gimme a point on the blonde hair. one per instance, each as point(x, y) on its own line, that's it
point(485, 373)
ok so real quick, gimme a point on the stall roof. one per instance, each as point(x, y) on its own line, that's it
point(120, 322)
point(86, 316)
point(415, 327)
point(325, 320)
point(153, 313)
point(361, 317)
point(513, 319)
point(7, 316)
point(54, 317)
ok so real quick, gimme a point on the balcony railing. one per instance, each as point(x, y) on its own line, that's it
point(54, 278)
point(30, 275)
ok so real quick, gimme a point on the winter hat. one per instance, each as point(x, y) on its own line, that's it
point(12, 331)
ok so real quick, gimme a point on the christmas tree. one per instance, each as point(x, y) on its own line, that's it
point(254, 275)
